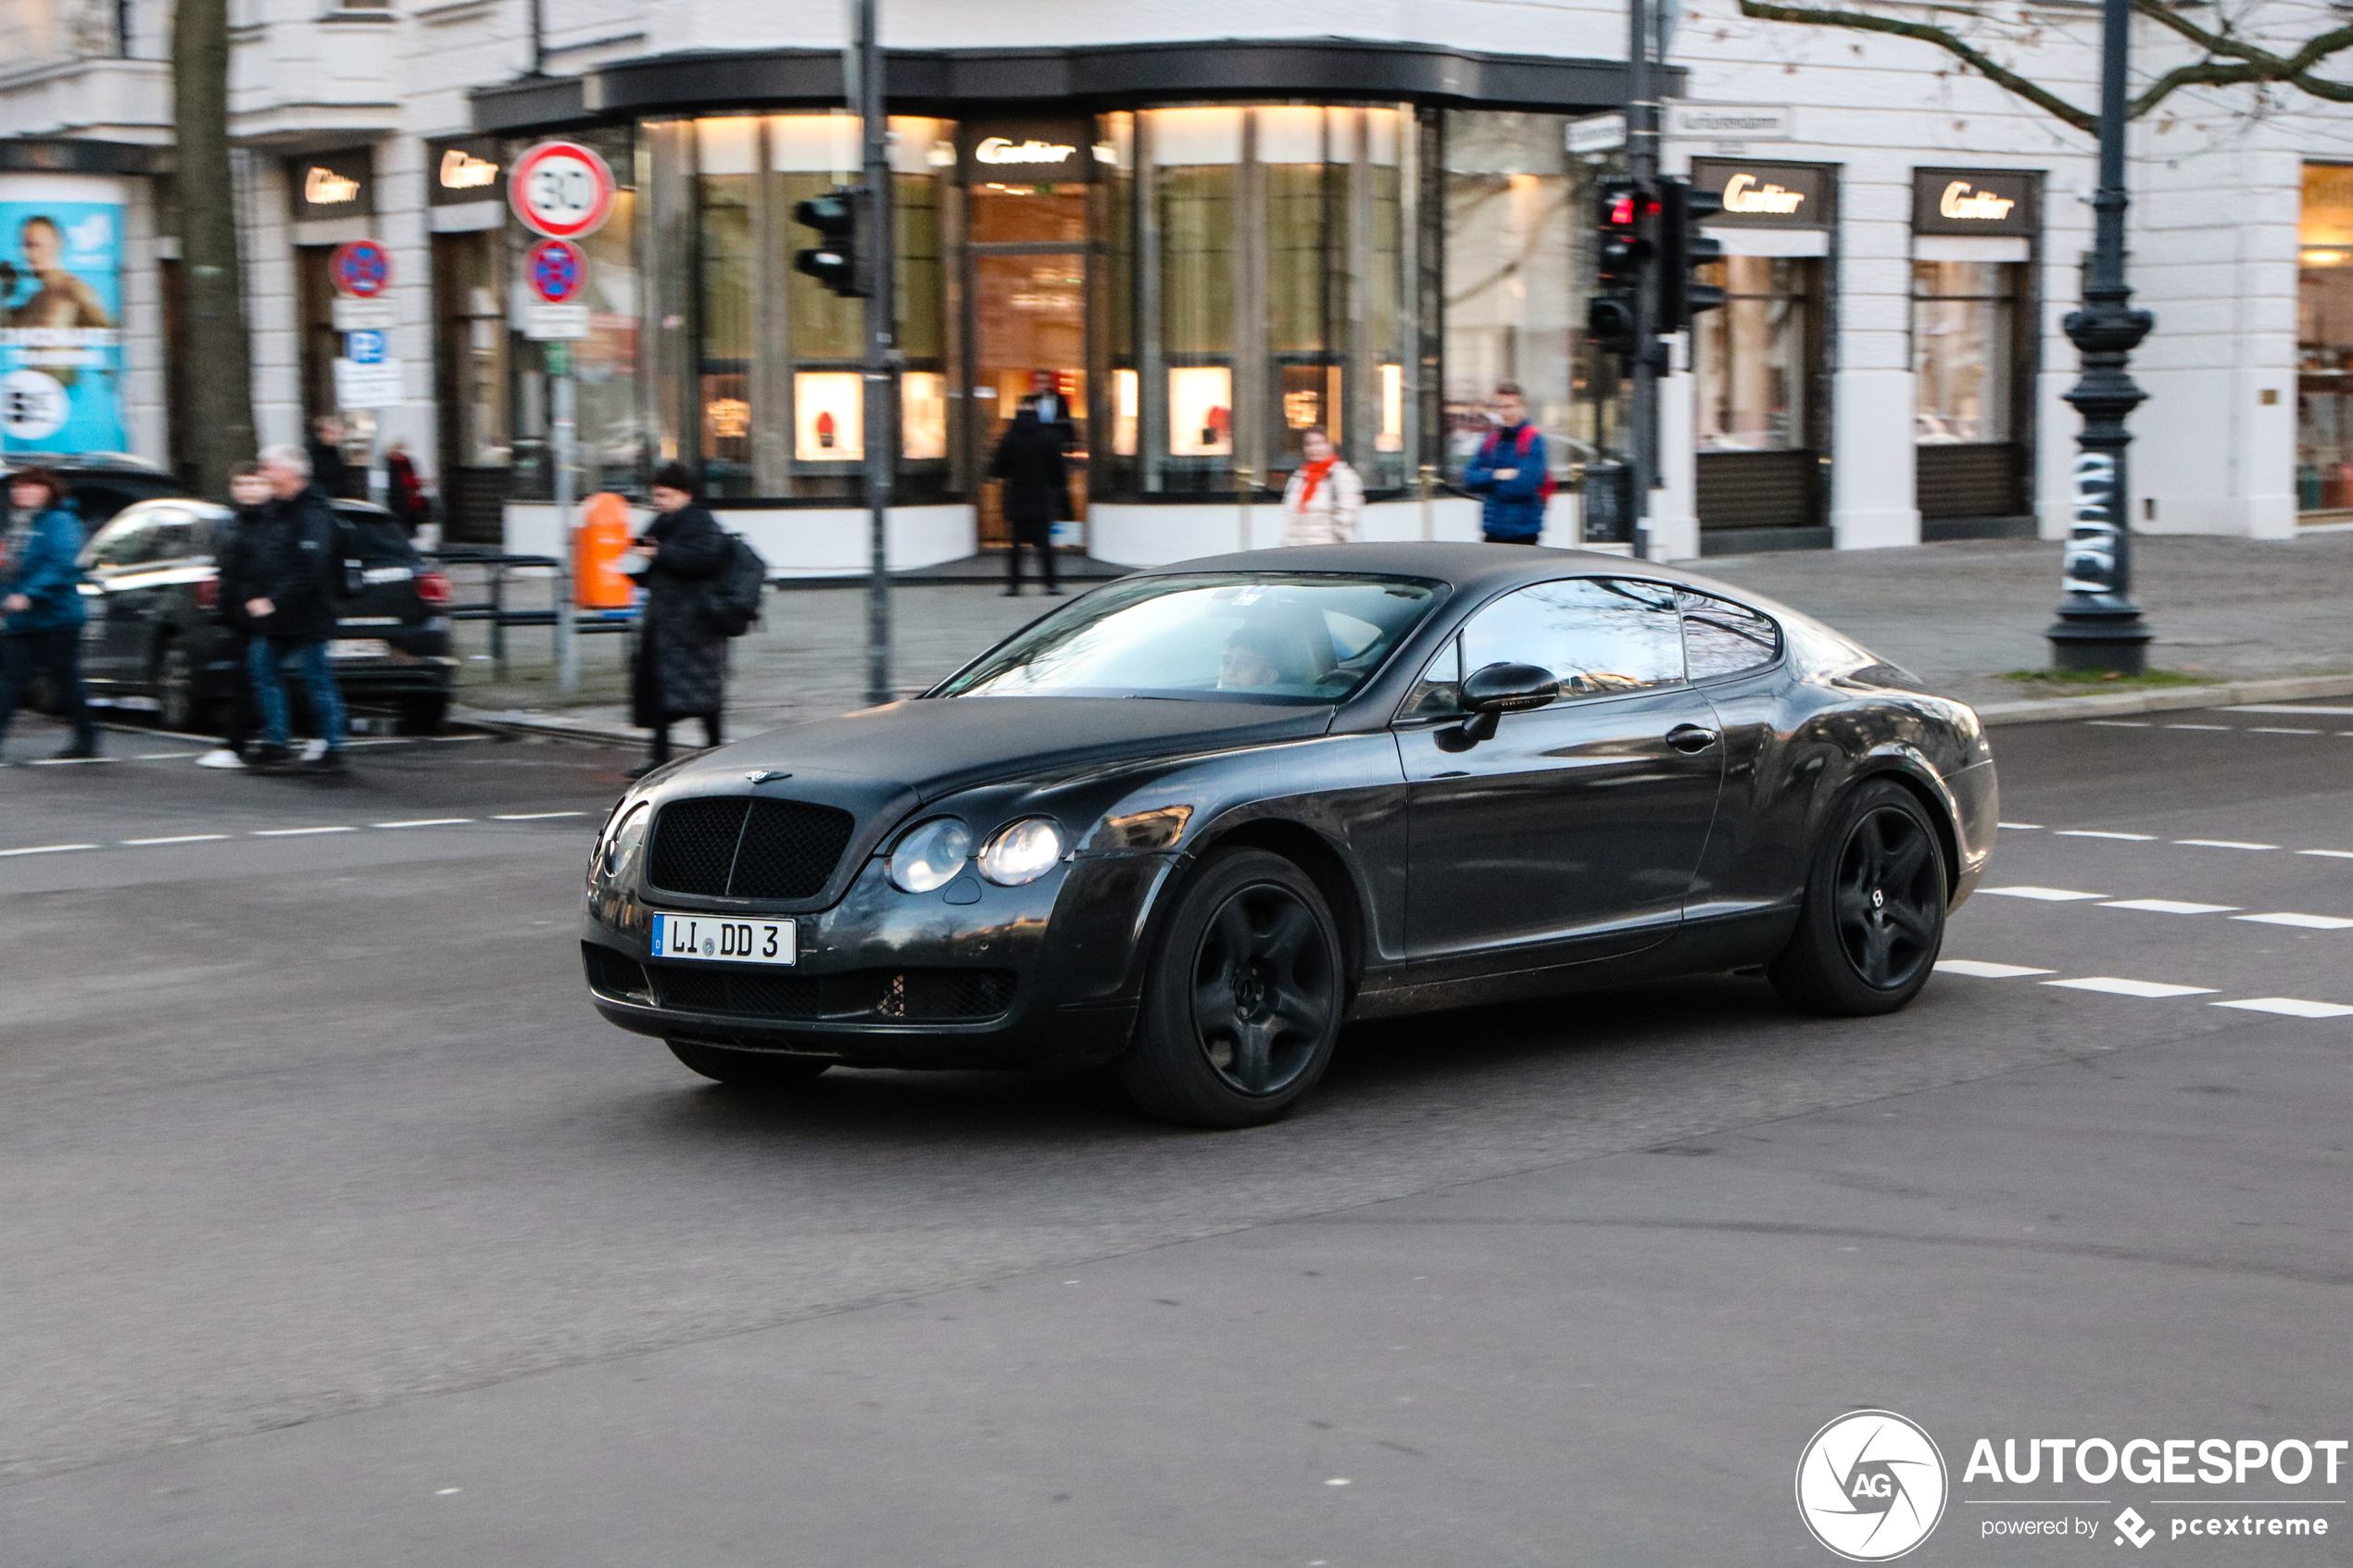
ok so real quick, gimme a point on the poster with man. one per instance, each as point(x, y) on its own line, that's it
point(60, 326)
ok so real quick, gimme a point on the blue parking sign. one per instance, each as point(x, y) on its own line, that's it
point(364, 348)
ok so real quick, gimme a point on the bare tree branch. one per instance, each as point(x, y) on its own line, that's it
point(2261, 64)
point(1952, 43)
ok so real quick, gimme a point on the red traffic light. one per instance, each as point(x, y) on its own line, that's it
point(1621, 210)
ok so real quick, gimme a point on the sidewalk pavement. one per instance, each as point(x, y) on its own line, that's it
point(1959, 615)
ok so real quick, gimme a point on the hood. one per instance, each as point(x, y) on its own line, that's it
point(939, 744)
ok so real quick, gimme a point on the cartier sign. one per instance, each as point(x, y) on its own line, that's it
point(1973, 201)
point(1029, 151)
point(1766, 196)
point(332, 184)
point(459, 170)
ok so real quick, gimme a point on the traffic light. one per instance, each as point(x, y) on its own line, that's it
point(1682, 250)
point(1622, 253)
point(833, 261)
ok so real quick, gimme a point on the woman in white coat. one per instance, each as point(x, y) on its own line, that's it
point(1325, 500)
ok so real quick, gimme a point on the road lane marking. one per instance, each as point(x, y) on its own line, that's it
point(2047, 895)
point(2113, 986)
point(2102, 833)
point(531, 816)
point(2274, 730)
point(2309, 922)
point(163, 756)
point(68, 761)
point(297, 833)
point(2224, 844)
point(2290, 1007)
point(47, 849)
point(2121, 723)
point(1979, 970)
point(425, 822)
point(2169, 907)
point(2021, 827)
point(2332, 854)
point(175, 838)
point(2281, 708)
point(2201, 726)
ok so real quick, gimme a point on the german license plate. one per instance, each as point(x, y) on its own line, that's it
point(358, 647)
point(726, 941)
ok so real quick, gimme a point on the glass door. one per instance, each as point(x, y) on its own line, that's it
point(1028, 302)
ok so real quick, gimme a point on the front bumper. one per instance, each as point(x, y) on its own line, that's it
point(1044, 974)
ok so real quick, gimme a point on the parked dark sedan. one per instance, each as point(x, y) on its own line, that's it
point(154, 635)
point(99, 483)
point(1198, 819)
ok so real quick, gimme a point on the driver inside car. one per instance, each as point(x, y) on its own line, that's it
point(1251, 661)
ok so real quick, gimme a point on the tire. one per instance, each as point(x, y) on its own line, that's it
point(1243, 997)
point(179, 707)
point(424, 713)
point(749, 1069)
point(1873, 920)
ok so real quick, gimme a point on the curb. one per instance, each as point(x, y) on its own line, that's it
point(552, 725)
point(2165, 699)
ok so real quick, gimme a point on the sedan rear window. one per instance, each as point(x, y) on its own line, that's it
point(1209, 636)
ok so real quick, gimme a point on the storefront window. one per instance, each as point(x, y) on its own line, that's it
point(2324, 343)
point(1751, 358)
point(1964, 350)
point(1517, 282)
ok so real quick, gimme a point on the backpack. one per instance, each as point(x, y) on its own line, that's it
point(1521, 442)
point(731, 602)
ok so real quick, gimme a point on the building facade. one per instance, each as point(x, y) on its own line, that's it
point(1195, 240)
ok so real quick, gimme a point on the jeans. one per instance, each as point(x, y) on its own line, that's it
point(266, 659)
point(59, 652)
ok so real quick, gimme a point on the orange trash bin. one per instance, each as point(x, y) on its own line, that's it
point(598, 546)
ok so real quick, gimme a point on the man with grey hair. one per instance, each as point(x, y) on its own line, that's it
point(297, 574)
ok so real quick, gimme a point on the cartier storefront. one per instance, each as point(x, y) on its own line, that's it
point(1194, 258)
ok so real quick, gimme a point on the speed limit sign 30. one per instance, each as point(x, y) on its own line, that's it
point(561, 190)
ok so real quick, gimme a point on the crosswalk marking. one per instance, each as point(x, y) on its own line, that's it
point(2168, 906)
point(1979, 970)
point(2309, 922)
point(2047, 895)
point(2290, 1007)
point(2114, 986)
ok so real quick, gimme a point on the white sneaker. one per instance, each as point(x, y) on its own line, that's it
point(313, 749)
point(221, 757)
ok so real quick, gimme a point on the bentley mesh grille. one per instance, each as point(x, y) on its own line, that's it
point(912, 996)
point(738, 847)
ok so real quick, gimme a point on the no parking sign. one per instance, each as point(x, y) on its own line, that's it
point(556, 272)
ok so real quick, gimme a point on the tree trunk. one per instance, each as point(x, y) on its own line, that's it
point(220, 351)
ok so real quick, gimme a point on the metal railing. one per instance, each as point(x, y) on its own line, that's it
point(497, 569)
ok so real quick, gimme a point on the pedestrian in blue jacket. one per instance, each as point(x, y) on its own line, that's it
point(41, 610)
point(1511, 471)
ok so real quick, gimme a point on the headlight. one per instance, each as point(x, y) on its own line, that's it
point(1022, 851)
point(929, 854)
point(618, 852)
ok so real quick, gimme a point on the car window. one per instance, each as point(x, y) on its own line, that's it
point(122, 542)
point(1272, 636)
point(1722, 638)
point(1440, 690)
point(380, 539)
point(1597, 635)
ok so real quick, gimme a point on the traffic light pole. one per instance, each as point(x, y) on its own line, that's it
point(1641, 159)
point(879, 250)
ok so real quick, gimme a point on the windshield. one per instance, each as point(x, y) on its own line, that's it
point(1227, 636)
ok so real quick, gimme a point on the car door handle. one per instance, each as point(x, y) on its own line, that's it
point(1691, 737)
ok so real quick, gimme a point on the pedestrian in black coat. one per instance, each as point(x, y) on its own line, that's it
point(1036, 491)
point(329, 470)
point(237, 558)
point(680, 668)
point(297, 578)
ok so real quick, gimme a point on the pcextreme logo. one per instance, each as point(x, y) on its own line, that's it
point(1871, 1486)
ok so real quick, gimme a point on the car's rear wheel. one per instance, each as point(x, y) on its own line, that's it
point(424, 713)
point(1242, 1002)
point(178, 706)
point(750, 1070)
point(1874, 914)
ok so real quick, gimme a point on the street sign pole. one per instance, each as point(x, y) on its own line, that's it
point(1641, 159)
point(567, 633)
point(880, 248)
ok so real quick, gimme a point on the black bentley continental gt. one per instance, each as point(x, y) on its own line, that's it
point(1193, 821)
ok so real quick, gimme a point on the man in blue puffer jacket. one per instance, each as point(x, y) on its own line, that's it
point(1513, 472)
point(40, 611)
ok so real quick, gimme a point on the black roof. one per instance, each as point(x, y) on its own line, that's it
point(86, 462)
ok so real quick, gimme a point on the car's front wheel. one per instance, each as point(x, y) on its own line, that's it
point(750, 1070)
point(1243, 999)
point(1874, 914)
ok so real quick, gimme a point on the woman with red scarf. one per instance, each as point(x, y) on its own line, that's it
point(1325, 500)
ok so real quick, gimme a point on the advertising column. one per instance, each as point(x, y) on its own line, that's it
point(61, 314)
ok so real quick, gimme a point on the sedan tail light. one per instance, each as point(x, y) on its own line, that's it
point(207, 593)
point(433, 587)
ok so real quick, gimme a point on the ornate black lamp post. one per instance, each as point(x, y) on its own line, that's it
point(2099, 627)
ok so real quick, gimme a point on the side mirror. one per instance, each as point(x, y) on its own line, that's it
point(1498, 689)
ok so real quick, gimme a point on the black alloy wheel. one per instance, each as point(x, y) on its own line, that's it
point(1873, 918)
point(1244, 1001)
point(1890, 891)
point(176, 708)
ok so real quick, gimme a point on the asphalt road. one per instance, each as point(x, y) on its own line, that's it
point(338, 1230)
